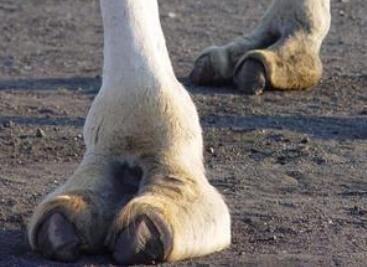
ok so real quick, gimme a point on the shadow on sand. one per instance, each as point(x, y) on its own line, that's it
point(338, 128)
point(14, 251)
point(88, 84)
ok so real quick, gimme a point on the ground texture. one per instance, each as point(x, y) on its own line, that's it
point(291, 165)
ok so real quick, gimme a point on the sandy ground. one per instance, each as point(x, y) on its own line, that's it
point(291, 165)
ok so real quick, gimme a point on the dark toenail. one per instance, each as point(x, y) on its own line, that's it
point(250, 77)
point(139, 243)
point(57, 239)
point(202, 72)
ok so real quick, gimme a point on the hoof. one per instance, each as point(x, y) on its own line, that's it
point(143, 241)
point(57, 239)
point(250, 77)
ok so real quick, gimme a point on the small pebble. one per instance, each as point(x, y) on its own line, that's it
point(9, 124)
point(40, 133)
point(305, 140)
point(172, 15)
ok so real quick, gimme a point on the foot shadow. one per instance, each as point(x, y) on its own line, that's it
point(224, 89)
point(328, 128)
point(16, 252)
point(43, 121)
point(89, 85)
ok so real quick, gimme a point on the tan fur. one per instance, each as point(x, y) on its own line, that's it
point(287, 42)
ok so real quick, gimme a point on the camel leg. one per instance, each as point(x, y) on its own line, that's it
point(142, 181)
point(177, 214)
point(282, 53)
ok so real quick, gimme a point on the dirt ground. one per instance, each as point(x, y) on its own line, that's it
point(291, 165)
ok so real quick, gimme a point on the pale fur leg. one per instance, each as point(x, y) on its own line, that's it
point(149, 116)
point(76, 216)
point(144, 122)
point(292, 32)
